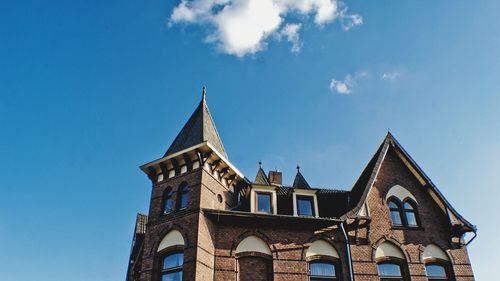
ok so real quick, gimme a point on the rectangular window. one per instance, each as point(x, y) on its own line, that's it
point(305, 206)
point(264, 204)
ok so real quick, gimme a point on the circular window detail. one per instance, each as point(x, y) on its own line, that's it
point(219, 198)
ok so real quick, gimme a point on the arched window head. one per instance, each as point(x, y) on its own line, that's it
point(172, 239)
point(182, 194)
point(410, 213)
point(437, 263)
point(391, 262)
point(322, 248)
point(253, 244)
point(320, 270)
point(395, 209)
point(167, 201)
point(171, 269)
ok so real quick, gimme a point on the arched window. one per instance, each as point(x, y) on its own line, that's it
point(171, 257)
point(167, 201)
point(182, 195)
point(323, 261)
point(390, 271)
point(410, 213)
point(322, 270)
point(395, 209)
point(171, 269)
point(437, 263)
point(391, 262)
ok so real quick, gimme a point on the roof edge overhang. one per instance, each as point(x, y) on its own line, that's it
point(145, 167)
point(204, 152)
point(267, 216)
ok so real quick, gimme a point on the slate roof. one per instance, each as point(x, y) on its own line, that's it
point(334, 203)
point(261, 177)
point(140, 223)
point(199, 128)
point(300, 181)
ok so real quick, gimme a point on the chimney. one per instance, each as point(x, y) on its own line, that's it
point(274, 177)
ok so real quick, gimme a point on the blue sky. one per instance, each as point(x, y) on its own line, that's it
point(91, 90)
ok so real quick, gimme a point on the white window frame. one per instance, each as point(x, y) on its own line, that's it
point(305, 192)
point(264, 189)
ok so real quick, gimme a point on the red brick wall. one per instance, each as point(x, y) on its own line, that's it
point(253, 269)
point(434, 226)
point(210, 243)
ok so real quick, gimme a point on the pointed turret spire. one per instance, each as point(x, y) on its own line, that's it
point(300, 181)
point(261, 177)
point(199, 128)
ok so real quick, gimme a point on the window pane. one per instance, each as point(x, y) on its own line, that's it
point(407, 206)
point(435, 271)
point(395, 217)
point(173, 260)
point(322, 269)
point(305, 206)
point(172, 276)
point(410, 218)
point(389, 270)
point(393, 205)
point(184, 197)
point(264, 202)
point(168, 203)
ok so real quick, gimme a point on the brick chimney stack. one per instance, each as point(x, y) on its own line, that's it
point(275, 177)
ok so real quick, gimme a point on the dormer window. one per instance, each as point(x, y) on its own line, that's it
point(263, 199)
point(264, 202)
point(305, 206)
point(305, 203)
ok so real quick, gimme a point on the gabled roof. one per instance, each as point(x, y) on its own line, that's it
point(261, 177)
point(362, 186)
point(300, 181)
point(199, 128)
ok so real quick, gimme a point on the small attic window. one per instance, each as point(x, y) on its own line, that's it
point(305, 206)
point(196, 164)
point(264, 204)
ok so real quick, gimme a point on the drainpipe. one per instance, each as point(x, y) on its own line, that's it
point(348, 248)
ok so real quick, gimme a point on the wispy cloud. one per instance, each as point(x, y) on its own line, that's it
point(345, 86)
point(243, 27)
point(348, 21)
point(291, 32)
point(390, 76)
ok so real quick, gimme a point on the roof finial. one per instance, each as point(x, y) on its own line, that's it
point(260, 164)
point(204, 92)
point(298, 169)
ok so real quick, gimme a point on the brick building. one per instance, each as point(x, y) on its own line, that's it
point(207, 221)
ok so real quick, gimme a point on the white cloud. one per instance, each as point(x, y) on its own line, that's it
point(291, 32)
point(343, 87)
point(346, 86)
point(349, 21)
point(390, 76)
point(241, 27)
